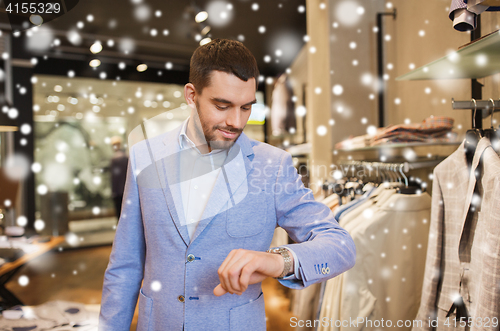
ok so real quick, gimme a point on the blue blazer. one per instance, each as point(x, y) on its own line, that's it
point(154, 260)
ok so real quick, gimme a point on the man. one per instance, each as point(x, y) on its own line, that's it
point(118, 168)
point(201, 205)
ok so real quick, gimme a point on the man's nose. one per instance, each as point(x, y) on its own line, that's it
point(233, 118)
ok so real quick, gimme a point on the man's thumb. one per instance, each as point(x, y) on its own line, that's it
point(218, 290)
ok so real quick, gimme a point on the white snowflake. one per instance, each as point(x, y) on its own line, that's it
point(23, 280)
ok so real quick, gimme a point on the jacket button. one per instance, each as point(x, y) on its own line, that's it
point(190, 258)
point(180, 298)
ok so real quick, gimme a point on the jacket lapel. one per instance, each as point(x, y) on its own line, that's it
point(231, 184)
point(481, 146)
point(167, 157)
point(463, 247)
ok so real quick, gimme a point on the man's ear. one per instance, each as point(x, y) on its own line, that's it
point(189, 95)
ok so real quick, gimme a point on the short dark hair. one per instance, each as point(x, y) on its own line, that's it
point(225, 55)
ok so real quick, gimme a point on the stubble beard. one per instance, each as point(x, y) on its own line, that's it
point(211, 133)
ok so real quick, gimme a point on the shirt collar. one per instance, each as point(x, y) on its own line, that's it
point(185, 142)
point(183, 138)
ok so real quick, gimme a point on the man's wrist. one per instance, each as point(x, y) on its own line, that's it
point(287, 259)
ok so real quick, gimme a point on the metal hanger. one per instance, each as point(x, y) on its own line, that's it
point(492, 133)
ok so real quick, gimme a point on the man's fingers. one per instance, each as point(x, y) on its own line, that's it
point(220, 271)
point(226, 268)
point(234, 272)
point(246, 273)
point(218, 291)
point(226, 260)
point(242, 268)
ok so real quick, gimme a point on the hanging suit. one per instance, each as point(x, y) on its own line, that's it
point(463, 256)
point(257, 190)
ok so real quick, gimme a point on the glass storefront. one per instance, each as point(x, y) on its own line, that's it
point(76, 120)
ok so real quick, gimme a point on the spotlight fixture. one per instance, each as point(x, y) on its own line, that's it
point(205, 41)
point(201, 17)
point(142, 67)
point(94, 63)
point(36, 20)
point(205, 30)
point(96, 47)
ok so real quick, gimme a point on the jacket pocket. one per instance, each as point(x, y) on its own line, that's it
point(248, 217)
point(145, 308)
point(248, 317)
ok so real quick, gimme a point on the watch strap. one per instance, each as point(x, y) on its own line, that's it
point(285, 253)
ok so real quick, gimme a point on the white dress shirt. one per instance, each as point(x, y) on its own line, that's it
point(198, 175)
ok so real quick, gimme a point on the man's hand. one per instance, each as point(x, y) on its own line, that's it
point(244, 267)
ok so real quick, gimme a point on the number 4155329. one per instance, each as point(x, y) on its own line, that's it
point(33, 8)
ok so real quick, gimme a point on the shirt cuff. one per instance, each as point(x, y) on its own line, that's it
point(296, 274)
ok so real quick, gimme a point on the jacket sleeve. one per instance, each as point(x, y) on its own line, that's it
point(323, 248)
point(125, 270)
point(432, 273)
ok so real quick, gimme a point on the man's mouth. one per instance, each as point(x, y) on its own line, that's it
point(228, 134)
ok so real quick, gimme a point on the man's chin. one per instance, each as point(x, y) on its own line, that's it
point(222, 144)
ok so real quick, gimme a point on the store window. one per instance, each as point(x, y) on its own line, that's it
point(76, 121)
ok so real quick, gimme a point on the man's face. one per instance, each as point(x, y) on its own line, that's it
point(224, 108)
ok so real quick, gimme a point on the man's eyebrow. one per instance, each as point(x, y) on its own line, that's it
point(222, 101)
point(230, 102)
point(254, 101)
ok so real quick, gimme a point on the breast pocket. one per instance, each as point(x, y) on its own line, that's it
point(248, 217)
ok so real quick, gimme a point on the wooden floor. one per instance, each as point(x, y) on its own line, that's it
point(77, 275)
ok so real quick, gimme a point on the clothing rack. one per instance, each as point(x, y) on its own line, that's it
point(404, 166)
point(478, 105)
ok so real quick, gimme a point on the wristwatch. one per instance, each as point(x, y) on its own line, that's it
point(288, 268)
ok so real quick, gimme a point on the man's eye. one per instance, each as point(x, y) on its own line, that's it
point(221, 107)
point(246, 108)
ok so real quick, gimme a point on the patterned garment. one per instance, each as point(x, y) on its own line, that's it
point(435, 129)
point(435, 138)
point(430, 128)
point(463, 255)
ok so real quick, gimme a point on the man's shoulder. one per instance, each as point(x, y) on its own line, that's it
point(265, 150)
point(149, 141)
point(147, 147)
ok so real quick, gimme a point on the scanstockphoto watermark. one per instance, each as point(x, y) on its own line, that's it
point(359, 322)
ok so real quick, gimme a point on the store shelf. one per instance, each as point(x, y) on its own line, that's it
point(475, 60)
point(399, 145)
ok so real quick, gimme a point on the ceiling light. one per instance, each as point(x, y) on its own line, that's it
point(205, 41)
point(96, 47)
point(94, 63)
point(36, 19)
point(201, 16)
point(205, 30)
point(142, 67)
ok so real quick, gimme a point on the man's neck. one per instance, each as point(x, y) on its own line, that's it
point(195, 133)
